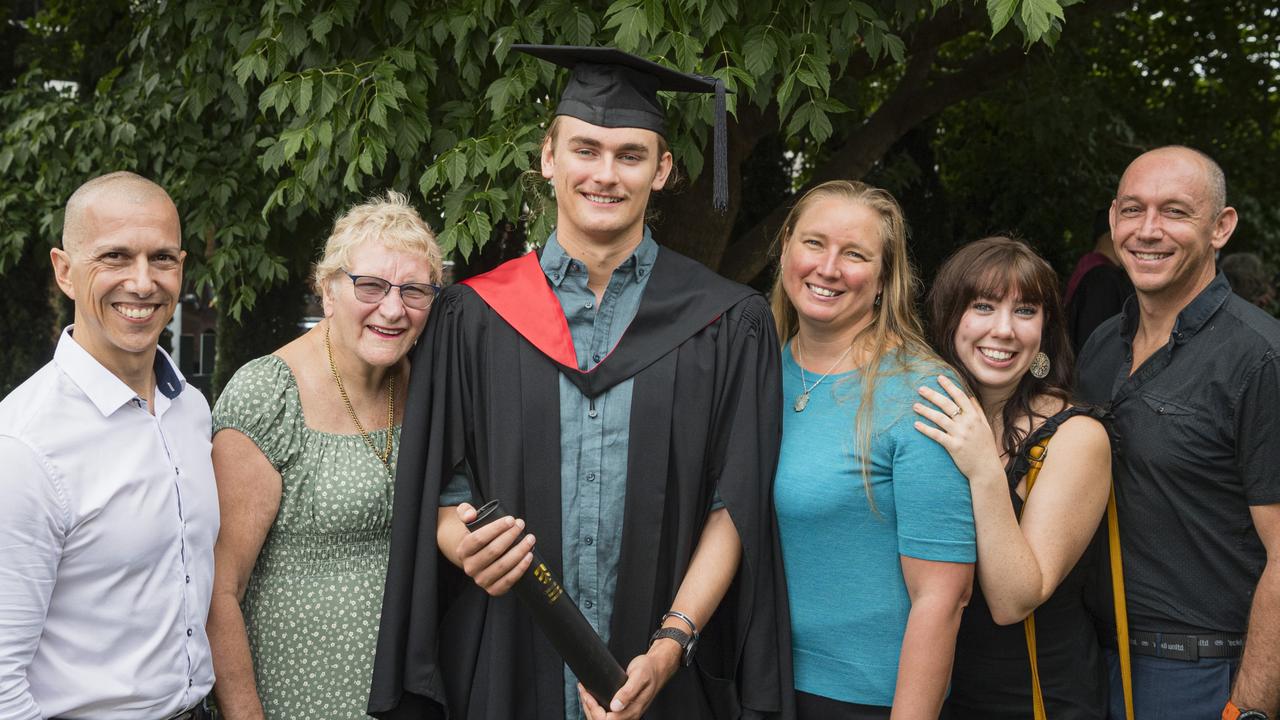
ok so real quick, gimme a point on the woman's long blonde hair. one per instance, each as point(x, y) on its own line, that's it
point(895, 330)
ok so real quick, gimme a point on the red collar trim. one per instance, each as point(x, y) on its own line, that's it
point(518, 292)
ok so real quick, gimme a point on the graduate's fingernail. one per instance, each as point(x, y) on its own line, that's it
point(520, 523)
point(617, 705)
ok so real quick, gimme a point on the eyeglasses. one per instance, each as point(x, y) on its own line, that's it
point(371, 289)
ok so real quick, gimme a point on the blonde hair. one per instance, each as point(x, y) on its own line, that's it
point(390, 221)
point(895, 330)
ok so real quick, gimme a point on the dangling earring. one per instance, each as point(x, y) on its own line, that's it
point(1040, 366)
point(877, 300)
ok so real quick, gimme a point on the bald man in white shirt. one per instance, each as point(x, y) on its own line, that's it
point(109, 510)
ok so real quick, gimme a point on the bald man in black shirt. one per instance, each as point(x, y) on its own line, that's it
point(1192, 374)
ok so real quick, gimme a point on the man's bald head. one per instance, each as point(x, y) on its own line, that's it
point(1215, 181)
point(122, 187)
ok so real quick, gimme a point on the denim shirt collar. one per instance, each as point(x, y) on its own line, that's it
point(557, 264)
point(1192, 318)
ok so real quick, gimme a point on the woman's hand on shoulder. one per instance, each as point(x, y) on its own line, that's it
point(960, 426)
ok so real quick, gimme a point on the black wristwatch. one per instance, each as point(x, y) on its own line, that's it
point(1231, 712)
point(687, 642)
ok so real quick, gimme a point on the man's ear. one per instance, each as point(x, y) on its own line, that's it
point(664, 171)
point(61, 262)
point(548, 160)
point(1223, 227)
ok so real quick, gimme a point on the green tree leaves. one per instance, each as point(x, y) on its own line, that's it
point(262, 115)
point(1037, 19)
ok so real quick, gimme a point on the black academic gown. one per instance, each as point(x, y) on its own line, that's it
point(704, 417)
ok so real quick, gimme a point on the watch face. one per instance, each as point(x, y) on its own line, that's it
point(693, 644)
point(1251, 715)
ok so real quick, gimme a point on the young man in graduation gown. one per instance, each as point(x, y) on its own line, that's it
point(622, 402)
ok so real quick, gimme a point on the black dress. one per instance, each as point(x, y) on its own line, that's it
point(991, 678)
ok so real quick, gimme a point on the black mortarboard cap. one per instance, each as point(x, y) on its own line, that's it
point(614, 89)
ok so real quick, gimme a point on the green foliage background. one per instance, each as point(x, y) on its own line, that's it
point(265, 120)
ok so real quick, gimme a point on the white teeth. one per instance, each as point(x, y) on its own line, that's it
point(136, 313)
point(823, 292)
point(603, 199)
point(1151, 256)
point(995, 354)
point(387, 331)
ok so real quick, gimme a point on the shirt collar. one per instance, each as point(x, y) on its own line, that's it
point(555, 261)
point(103, 388)
point(1192, 318)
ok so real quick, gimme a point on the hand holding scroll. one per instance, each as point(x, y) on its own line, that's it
point(492, 556)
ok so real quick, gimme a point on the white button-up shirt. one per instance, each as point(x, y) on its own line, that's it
point(108, 515)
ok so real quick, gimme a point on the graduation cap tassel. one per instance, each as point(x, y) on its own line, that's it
point(720, 199)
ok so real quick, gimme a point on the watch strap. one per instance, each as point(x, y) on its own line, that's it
point(671, 633)
point(1231, 712)
point(686, 641)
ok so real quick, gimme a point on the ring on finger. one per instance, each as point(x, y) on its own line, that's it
point(959, 411)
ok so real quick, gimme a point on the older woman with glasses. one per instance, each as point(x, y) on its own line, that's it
point(304, 450)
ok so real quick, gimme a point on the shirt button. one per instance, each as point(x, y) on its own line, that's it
point(190, 682)
point(590, 305)
point(596, 357)
point(188, 632)
point(588, 604)
point(188, 579)
point(591, 477)
point(592, 413)
point(556, 277)
point(640, 272)
point(589, 540)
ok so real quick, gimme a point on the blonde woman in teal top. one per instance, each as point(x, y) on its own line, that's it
point(876, 522)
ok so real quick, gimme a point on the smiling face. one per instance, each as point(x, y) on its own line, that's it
point(124, 272)
point(996, 340)
point(377, 334)
point(1167, 225)
point(602, 178)
point(831, 264)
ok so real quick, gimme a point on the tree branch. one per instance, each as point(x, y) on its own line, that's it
point(913, 100)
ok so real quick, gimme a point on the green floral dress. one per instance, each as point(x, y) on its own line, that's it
point(313, 602)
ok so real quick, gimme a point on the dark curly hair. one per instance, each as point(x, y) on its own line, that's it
point(990, 268)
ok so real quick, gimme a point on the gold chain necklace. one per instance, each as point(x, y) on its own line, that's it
point(385, 455)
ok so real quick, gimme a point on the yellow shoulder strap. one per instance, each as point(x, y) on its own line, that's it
point(1117, 594)
point(1036, 455)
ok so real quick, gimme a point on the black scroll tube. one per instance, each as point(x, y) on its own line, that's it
point(561, 620)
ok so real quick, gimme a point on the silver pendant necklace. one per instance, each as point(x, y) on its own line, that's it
point(802, 400)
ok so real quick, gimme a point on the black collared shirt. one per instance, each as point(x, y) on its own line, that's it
point(1199, 429)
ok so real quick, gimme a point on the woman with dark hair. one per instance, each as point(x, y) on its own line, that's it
point(874, 519)
point(997, 319)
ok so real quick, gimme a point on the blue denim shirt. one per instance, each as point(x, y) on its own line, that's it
point(594, 436)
